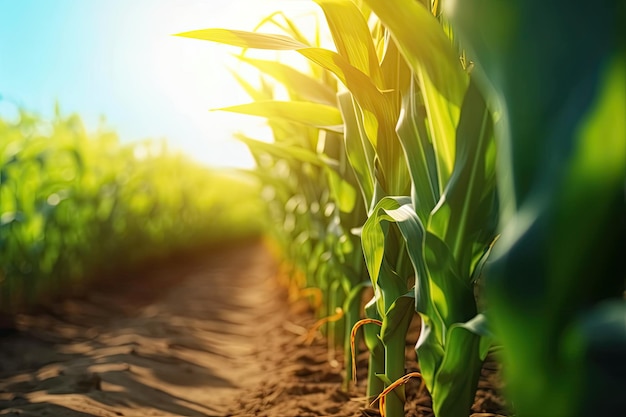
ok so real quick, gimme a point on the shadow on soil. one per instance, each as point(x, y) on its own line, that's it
point(164, 340)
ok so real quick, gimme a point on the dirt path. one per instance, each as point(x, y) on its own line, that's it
point(185, 341)
point(213, 337)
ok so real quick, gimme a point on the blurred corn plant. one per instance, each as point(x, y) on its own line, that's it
point(555, 287)
point(418, 139)
point(75, 205)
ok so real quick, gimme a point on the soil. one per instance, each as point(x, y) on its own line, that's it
point(208, 337)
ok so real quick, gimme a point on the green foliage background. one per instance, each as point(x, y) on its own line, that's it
point(74, 205)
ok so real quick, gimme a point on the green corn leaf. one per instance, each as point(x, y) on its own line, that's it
point(479, 325)
point(304, 112)
point(373, 237)
point(423, 44)
point(443, 301)
point(280, 127)
point(397, 75)
point(443, 116)
point(373, 103)
point(358, 149)
point(245, 39)
point(378, 117)
point(420, 154)
point(366, 92)
point(451, 294)
point(288, 27)
point(352, 36)
point(344, 194)
point(302, 85)
point(399, 317)
point(397, 210)
point(457, 376)
point(282, 150)
point(430, 55)
point(463, 216)
point(397, 308)
point(353, 299)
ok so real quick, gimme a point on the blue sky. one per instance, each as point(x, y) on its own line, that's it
point(117, 58)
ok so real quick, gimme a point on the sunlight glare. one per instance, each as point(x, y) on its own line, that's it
point(195, 76)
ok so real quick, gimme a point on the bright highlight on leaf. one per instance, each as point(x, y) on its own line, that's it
point(307, 113)
point(245, 39)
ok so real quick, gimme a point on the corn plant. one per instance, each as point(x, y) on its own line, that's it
point(555, 287)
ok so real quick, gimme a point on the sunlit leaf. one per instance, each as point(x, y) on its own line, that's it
point(305, 86)
point(352, 36)
point(423, 44)
point(465, 214)
point(421, 159)
point(359, 151)
point(245, 39)
point(312, 114)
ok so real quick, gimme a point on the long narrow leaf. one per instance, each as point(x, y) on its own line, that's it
point(462, 218)
point(303, 85)
point(307, 113)
point(420, 154)
point(245, 39)
point(359, 151)
point(352, 36)
point(423, 43)
point(429, 53)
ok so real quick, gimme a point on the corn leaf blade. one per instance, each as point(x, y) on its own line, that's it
point(352, 36)
point(245, 39)
point(304, 112)
point(302, 85)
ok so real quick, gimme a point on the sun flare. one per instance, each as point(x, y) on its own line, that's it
point(197, 77)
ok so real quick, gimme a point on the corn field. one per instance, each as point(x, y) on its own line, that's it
point(464, 162)
point(76, 205)
point(459, 166)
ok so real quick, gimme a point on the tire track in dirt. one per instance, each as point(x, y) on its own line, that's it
point(185, 340)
